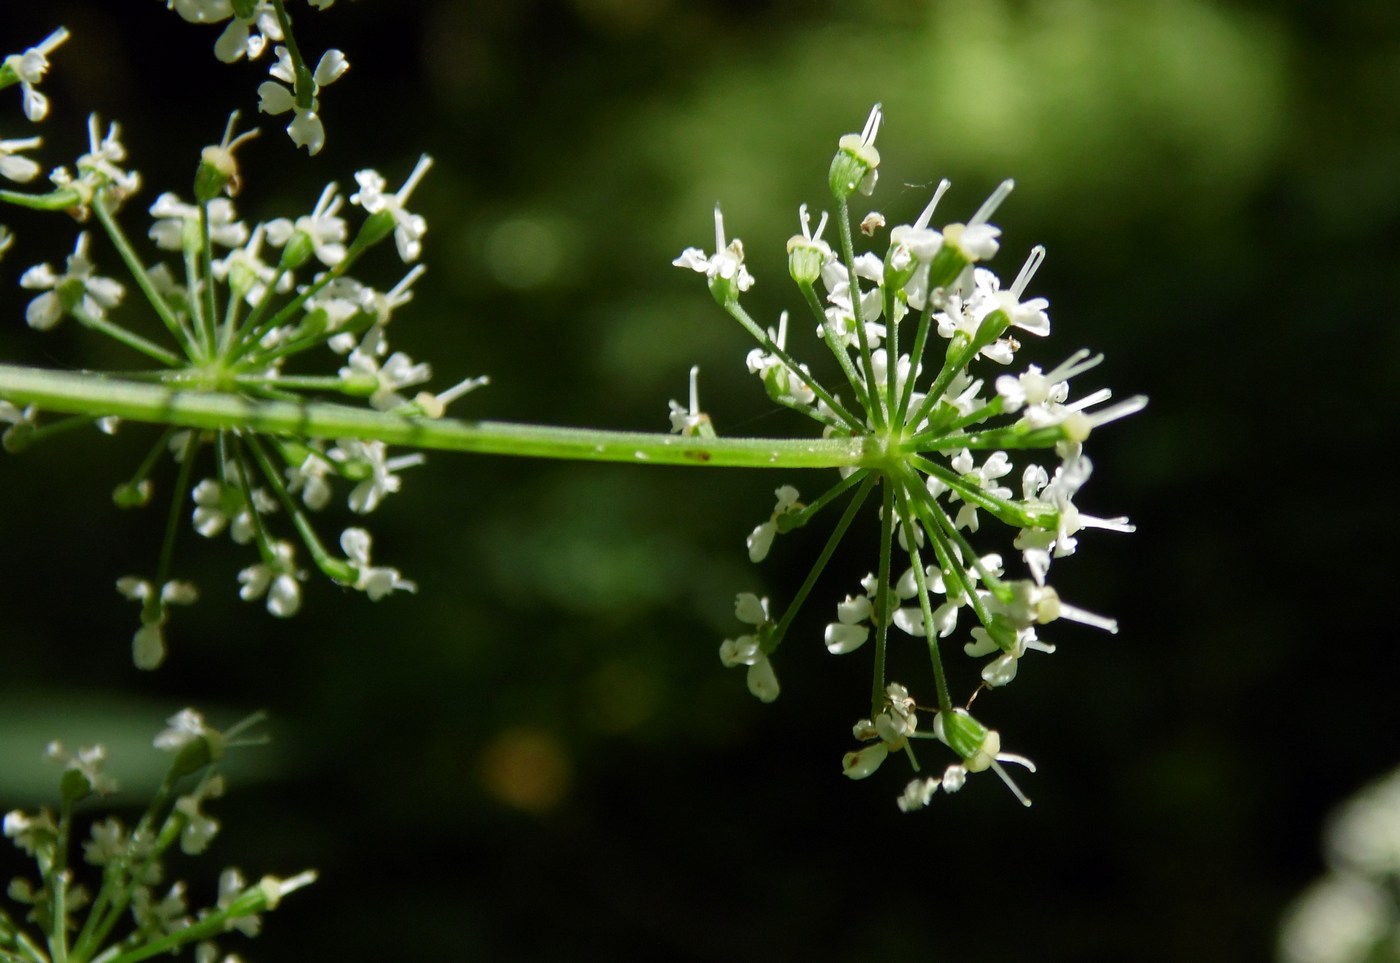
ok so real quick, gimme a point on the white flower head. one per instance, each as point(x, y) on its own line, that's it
point(408, 228)
point(29, 68)
point(78, 289)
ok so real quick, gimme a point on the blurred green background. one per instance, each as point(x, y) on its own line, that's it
point(539, 756)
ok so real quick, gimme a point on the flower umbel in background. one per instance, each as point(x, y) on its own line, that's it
point(240, 310)
point(944, 416)
point(134, 913)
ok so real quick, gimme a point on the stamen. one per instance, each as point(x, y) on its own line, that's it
point(1033, 262)
point(990, 205)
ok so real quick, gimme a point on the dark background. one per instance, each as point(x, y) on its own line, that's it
point(539, 756)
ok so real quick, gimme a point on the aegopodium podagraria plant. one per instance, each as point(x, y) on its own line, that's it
point(133, 912)
point(951, 433)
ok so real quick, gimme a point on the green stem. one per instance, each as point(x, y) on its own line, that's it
point(87, 393)
point(117, 333)
point(884, 597)
point(848, 252)
point(143, 280)
point(945, 702)
point(829, 549)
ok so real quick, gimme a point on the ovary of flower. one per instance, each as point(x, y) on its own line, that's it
point(760, 540)
point(326, 230)
point(726, 264)
point(21, 170)
point(746, 649)
point(374, 582)
point(408, 228)
point(248, 36)
point(277, 579)
point(30, 68)
point(77, 286)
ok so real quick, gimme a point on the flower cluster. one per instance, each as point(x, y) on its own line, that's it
point(941, 437)
point(236, 309)
point(253, 25)
point(26, 69)
point(78, 925)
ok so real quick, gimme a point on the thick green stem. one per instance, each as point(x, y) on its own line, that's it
point(94, 394)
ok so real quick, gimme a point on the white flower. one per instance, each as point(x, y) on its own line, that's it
point(326, 231)
point(77, 289)
point(182, 728)
point(30, 68)
point(376, 582)
point(997, 465)
point(200, 829)
point(691, 421)
point(162, 917)
point(1039, 546)
point(109, 841)
point(725, 265)
point(782, 383)
point(978, 746)
point(747, 649)
point(369, 461)
point(760, 540)
point(87, 762)
point(408, 228)
point(892, 727)
point(397, 372)
point(21, 170)
point(248, 36)
point(306, 129)
point(178, 223)
point(277, 579)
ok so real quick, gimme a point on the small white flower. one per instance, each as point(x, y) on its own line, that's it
point(322, 226)
point(178, 224)
point(182, 728)
point(200, 829)
point(369, 461)
point(78, 288)
point(276, 579)
point(726, 264)
point(398, 371)
point(376, 582)
point(306, 129)
point(691, 421)
point(760, 540)
point(747, 649)
point(30, 68)
point(87, 762)
point(164, 916)
point(248, 36)
point(408, 228)
point(782, 383)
